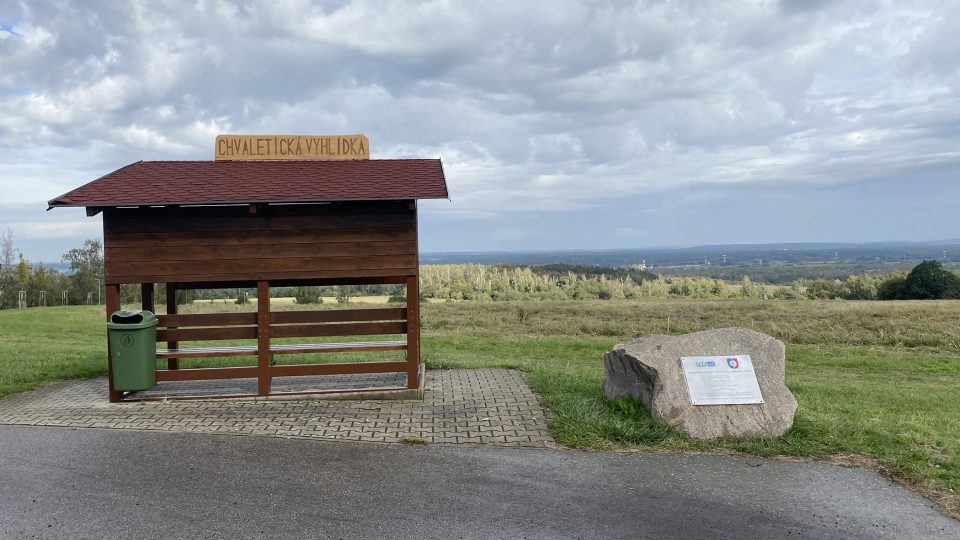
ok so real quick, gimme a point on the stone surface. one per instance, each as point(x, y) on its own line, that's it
point(460, 406)
point(648, 369)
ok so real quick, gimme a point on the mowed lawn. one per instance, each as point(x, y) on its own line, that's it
point(879, 380)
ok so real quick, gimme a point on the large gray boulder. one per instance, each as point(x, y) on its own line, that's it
point(648, 369)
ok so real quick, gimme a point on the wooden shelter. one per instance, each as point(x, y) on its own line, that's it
point(231, 224)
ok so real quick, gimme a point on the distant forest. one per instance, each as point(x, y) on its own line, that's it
point(786, 274)
point(713, 258)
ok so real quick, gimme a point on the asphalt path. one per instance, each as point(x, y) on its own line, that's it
point(89, 483)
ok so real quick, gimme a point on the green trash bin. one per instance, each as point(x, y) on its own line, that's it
point(133, 347)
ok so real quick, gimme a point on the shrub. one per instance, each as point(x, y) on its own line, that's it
point(344, 293)
point(748, 289)
point(399, 295)
point(308, 295)
point(788, 293)
point(859, 288)
point(892, 287)
point(930, 280)
point(652, 288)
point(823, 289)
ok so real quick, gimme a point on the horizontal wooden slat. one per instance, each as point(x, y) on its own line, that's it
point(190, 275)
point(250, 265)
point(208, 319)
point(207, 334)
point(292, 348)
point(304, 348)
point(221, 238)
point(338, 315)
point(292, 282)
point(256, 222)
point(349, 329)
point(268, 210)
point(337, 369)
point(199, 374)
point(273, 250)
point(258, 237)
point(207, 352)
point(400, 279)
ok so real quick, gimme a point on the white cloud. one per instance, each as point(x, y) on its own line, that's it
point(83, 227)
point(534, 107)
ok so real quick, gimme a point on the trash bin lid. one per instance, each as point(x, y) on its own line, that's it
point(132, 319)
point(127, 317)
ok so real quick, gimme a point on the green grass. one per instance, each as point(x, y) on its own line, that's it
point(40, 345)
point(873, 379)
point(899, 408)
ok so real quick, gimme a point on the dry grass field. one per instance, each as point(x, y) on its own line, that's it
point(929, 325)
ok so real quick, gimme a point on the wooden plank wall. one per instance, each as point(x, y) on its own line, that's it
point(275, 242)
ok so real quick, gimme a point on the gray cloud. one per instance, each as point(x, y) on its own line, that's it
point(538, 109)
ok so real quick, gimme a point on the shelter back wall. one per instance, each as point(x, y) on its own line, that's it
point(277, 243)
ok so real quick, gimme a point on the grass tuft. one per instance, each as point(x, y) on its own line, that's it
point(413, 441)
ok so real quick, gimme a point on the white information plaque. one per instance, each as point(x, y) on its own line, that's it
point(721, 380)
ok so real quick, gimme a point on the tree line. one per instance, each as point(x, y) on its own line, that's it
point(34, 285)
point(556, 282)
point(928, 280)
point(27, 285)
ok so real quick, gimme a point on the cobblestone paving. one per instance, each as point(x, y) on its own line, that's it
point(476, 406)
point(318, 383)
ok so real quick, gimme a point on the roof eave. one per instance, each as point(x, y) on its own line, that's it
point(94, 204)
point(52, 203)
point(443, 176)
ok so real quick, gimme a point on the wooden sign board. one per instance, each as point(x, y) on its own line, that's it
point(291, 147)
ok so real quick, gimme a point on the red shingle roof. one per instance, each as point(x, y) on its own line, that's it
point(227, 182)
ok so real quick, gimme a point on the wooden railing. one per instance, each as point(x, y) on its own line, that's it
point(176, 328)
point(264, 326)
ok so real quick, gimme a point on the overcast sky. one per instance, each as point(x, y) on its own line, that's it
point(561, 125)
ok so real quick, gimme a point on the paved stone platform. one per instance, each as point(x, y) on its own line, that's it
point(319, 383)
point(475, 407)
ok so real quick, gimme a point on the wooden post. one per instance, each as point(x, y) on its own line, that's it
point(413, 308)
point(413, 332)
point(113, 304)
point(146, 297)
point(263, 338)
point(172, 363)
